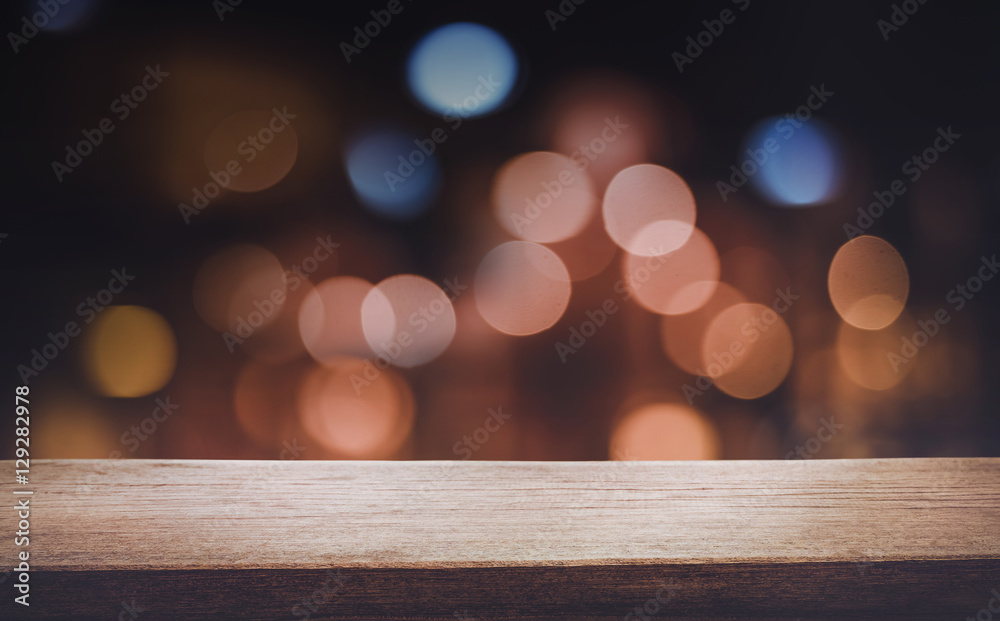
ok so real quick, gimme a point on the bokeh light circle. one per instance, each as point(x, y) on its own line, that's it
point(264, 401)
point(677, 282)
point(521, 288)
point(408, 320)
point(682, 335)
point(330, 319)
point(747, 350)
point(874, 359)
point(356, 409)
point(75, 428)
point(868, 283)
point(251, 150)
point(462, 70)
point(649, 210)
point(240, 289)
point(664, 431)
point(131, 351)
point(391, 174)
point(606, 122)
point(792, 163)
point(542, 197)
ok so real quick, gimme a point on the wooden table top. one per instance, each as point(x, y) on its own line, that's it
point(899, 538)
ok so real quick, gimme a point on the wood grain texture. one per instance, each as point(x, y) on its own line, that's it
point(853, 539)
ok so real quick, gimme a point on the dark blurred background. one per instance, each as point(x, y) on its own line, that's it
point(155, 377)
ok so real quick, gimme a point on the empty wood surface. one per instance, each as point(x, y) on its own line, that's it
point(852, 539)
